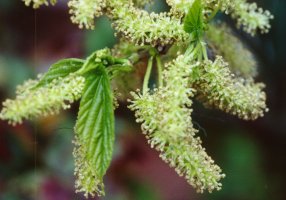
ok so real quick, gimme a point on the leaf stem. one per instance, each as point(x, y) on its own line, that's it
point(147, 75)
point(204, 50)
point(160, 70)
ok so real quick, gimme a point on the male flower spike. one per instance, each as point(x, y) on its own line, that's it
point(195, 57)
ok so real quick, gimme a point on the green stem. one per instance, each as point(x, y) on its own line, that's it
point(189, 50)
point(147, 74)
point(194, 50)
point(204, 50)
point(160, 70)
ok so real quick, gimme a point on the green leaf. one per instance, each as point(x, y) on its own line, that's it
point(105, 58)
point(61, 69)
point(95, 130)
point(117, 70)
point(89, 64)
point(193, 22)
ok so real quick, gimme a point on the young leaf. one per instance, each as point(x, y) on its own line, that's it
point(94, 132)
point(60, 70)
point(117, 70)
point(94, 60)
point(89, 63)
point(193, 22)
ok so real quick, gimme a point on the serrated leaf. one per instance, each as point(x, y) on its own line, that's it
point(60, 70)
point(193, 22)
point(95, 128)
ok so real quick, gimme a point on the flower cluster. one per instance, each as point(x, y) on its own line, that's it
point(87, 180)
point(38, 3)
point(251, 17)
point(32, 103)
point(181, 7)
point(248, 15)
point(140, 27)
point(84, 11)
point(166, 120)
point(194, 58)
point(217, 87)
point(222, 41)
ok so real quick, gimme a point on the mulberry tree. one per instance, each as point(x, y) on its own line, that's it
point(194, 56)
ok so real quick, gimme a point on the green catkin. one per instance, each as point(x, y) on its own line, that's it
point(87, 180)
point(43, 101)
point(84, 11)
point(218, 87)
point(166, 120)
point(222, 41)
point(38, 3)
point(140, 27)
point(248, 15)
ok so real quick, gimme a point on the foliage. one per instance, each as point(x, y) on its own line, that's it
point(95, 132)
point(164, 111)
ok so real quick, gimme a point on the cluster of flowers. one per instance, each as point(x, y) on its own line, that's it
point(165, 115)
point(225, 83)
point(164, 28)
point(32, 102)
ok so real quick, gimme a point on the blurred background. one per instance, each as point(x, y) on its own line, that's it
point(36, 157)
